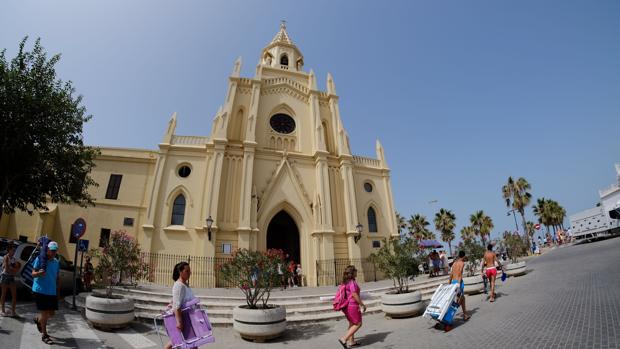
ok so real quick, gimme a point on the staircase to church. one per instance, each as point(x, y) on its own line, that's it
point(299, 308)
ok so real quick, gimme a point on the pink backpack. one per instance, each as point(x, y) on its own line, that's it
point(341, 300)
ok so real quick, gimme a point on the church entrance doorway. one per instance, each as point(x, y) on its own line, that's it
point(283, 234)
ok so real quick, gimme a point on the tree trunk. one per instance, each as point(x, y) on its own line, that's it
point(525, 234)
point(450, 247)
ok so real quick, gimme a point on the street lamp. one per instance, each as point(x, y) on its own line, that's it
point(515, 217)
point(209, 224)
point(359, 227)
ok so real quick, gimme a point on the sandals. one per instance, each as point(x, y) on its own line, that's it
point(344, 345)
point(47, 339)
point(354, 344)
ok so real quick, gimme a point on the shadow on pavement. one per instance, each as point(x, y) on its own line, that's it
point(373, 338)
point(302, 332)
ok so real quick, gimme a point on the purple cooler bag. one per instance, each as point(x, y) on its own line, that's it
point(197, 329)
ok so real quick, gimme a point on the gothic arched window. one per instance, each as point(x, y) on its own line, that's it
point(372, 220)
point(284, 60)
point(178, 210)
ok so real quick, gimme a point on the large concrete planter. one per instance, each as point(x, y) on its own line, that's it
point(473, 284)
point(109, 313)
point(515, 269)
point(402, 305)
point(259, 325)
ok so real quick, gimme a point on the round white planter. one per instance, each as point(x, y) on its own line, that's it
point(402, 305)
point(109, 313)
point(515, 269)
point(259, 324)
point(473, 284)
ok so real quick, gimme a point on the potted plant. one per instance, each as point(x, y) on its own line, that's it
point(515, 247)
point(398, 260)
point(118, 261)
point(256, 273)
point(472, 280)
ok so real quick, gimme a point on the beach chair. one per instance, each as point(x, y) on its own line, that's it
point(197, 328)
point(443, 305)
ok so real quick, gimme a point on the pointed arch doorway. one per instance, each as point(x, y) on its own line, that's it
point(282, 233)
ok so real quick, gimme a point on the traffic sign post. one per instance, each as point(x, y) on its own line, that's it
point(78, 228)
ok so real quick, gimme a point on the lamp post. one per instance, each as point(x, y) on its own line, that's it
point(209, 224)
point(515, 217)
point(359, 227)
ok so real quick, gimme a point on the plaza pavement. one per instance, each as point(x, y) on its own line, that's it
point(570, 298)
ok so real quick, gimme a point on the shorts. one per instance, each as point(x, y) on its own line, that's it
point(461, 286)
point(491, 272)
point(6, 279)
point(46, 301)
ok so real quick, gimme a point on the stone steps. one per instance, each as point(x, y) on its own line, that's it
point(299, 308)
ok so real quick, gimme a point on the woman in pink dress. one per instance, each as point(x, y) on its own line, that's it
point(352, 311)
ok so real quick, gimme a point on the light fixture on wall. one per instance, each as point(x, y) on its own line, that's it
point(209, 224)
point(359, 227)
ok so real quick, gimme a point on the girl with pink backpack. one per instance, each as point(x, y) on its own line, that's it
point(349, 290)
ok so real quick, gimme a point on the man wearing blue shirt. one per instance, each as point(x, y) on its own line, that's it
point(45, 288)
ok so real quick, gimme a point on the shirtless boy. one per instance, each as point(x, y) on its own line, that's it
point(456, 277)
point(489, 269)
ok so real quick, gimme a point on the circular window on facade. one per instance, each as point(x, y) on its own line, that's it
point(368, 187)
point(184, 171)
point(282, 123)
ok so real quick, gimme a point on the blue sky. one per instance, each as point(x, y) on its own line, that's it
point(462, 94)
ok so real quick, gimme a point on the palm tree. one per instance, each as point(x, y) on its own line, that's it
point(418, 227)
point(445, 223)
point(541, 210)
point(529, 228)
point(468, 233)
point(517, 196)
point(400, 223)
point(482, 224)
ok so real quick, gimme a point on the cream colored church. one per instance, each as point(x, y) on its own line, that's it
point(276, 172)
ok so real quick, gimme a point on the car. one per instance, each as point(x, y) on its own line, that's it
point(23, 251)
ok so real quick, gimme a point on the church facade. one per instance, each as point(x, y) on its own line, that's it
point(276, 172)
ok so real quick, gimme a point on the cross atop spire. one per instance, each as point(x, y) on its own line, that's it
point(282, 35)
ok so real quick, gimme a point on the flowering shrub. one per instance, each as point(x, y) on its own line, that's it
point(119, 260)
point(255, 273)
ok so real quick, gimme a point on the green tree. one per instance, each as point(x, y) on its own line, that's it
point(516, 193)
point(482, 225)
point(418, 227)
point(445, 223)
point(42, 154)
point(468, 233)
point(397, 259)
point(401, 223)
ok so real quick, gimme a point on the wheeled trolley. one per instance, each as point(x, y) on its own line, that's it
point(197, 328)
point(443, 305)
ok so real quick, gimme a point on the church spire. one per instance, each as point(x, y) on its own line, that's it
point(282, 53)
point(282, 35)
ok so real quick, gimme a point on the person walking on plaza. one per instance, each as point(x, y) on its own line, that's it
point(45, 287)
point(88, 274)
point(181, 292)
point(489, 268)
point(10, 267)
point(456, 277)
point(445, 264)
point(352, 310)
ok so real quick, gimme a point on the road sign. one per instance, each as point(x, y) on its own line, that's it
point(78, 228)
point(537, 226)
point(83, 245)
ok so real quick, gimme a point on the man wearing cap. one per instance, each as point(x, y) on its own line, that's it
point(45, 289)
